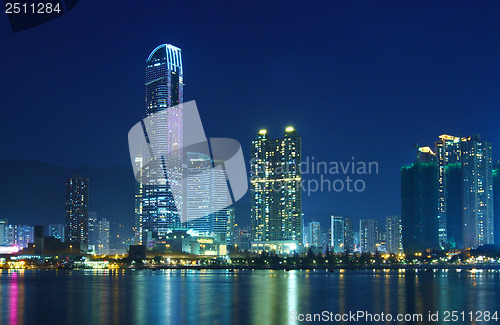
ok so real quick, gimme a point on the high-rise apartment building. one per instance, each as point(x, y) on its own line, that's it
point(420, 203)
point(496, 201)
point(93, 232)
point(77, 213)
point(368, 235)
point(314, 237)
point(338, 231)
point(276, 195)
point(348, 235)
point(393, 240)
point(477, 192)
point(103, 239)
point(447, 151)
point(3, 232)
point(465, 191)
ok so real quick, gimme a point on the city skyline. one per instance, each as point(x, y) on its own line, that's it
point(366, 90)
point(250, 162)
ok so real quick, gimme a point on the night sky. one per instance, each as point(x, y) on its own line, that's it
point(363, 79)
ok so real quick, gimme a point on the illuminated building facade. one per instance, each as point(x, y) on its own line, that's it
point(276, 195)
point(465, 190)
point(496, 201)
point(337, 242)
point(447, 150)
point(477, 192)
point(19, 235)
point(93, 232)
point(368, 235)
point(103, 243)
point(393, 240)
point(77, 210)
point(3, 232)
point(348, 235)
point(314, 238)
point(155, 208)
point(199, 192)
point(222, 223)
point(57, 231)
point(206, 193)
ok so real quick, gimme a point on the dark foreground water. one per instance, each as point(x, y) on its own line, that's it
point(242, 297)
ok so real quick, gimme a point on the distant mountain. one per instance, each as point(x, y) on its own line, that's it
point(33, 192)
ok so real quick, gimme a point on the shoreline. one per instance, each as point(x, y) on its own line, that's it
point(333, 269)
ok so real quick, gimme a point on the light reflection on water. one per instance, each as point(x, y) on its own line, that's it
point(239, 297)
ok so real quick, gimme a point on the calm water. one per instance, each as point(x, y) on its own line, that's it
point(240, 297)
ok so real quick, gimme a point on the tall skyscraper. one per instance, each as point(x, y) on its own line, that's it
point(276, 197)
point(420, 203)
point(77, 213)
point(393, 228)
point(447, 150)
point(314, 228)
point(337, 242)
point(477, 192)
point(57, 231)
point(103, 242)
point(155, 207)
point(368, 235)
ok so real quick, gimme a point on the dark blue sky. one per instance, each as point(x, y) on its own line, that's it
point(366, 79)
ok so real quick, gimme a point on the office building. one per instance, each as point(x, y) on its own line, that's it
point(77, 205)
point(276, 195)
point(199, 192)
point(155, 208)
point(222, 226)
